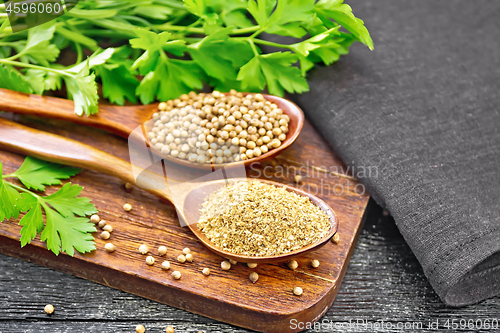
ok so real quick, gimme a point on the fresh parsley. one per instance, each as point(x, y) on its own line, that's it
point(170, 47)
point(66, 228)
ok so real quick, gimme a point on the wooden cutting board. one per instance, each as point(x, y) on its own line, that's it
point(268, 305)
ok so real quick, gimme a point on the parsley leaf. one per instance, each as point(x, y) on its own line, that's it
point(62, 231)
point(35, 173)
point(8, 196)
point(274, 69)
point(38, 48)
point(10, 79)
point(342, 13)
point(32, 221)
point(67, 202)
point(165, 77)
point(221, 56)
point(67, 233)
point(289, 23)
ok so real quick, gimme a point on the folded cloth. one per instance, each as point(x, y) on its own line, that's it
point(424, 110)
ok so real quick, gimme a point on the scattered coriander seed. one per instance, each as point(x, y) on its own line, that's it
point(109, 247)
point(189, 257)
point(181, 258)
point(127, 207)
point(385, 212)
point(315, 263)
point(165, 265)
point(297, 291)
point(186, 250)
point(95, 218)
point(336, 238)
point(102, 223)
point(232, 262)
point(49, 309)
point(162, 250)
point(108, 228)
point(128, 186)
point(292, 264)
point(150, 260)
point(169, 329)
point(176, 275)
point(225, 265)
point(254, 277)
point(252, 265)
point(140, 329)
point(206, 271)
point(105, 235)
point(298, 179)
point(143, 249)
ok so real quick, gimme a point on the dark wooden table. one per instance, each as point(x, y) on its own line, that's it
point(384, 282)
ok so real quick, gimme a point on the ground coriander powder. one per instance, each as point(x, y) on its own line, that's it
point(257, 219)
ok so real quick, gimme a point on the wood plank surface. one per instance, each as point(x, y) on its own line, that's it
point(383, 282)
point(229, 296)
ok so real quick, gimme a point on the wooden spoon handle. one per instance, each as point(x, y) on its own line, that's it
point(57, 149)
point(111, 118)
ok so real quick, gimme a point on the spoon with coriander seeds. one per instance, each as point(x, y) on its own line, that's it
point(277, 222)
point(203, 131)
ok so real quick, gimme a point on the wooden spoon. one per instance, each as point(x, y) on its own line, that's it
point(123, 120)
point(57, 149)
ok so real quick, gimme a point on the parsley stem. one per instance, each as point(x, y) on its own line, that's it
point(245, 30)
point(252, 45)
point(22, 64)
point(168, 27)
point(23, 189)
point(268, 43)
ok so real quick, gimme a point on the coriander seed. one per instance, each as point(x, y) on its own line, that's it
point(150, 260)
point(140, 329)
point(225, 265)
point(336, 238)
point(297, 291)
point(254, 277)
point(143, 249)
point(315, 263)
point(127, 207)
point(251, 265)
point(108, 228)
point(49, 309)
point(162, 250)
point(298, 179)
point(109, 247)
point(169, 329)
point(165, 265)
point(181, 258)
point(198, 119)
point(186, 250)
point(128, 186)
point(206, 271)
point(102, 223)
point(95, 218)
point(189, 257)
point(176, 275)
point(232, 262)
point(105, 235)
point(292, 264)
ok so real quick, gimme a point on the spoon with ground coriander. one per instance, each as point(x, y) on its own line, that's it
point(194, 198)
point(203, 131)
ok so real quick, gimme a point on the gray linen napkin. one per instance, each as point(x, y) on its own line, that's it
point(424, 108)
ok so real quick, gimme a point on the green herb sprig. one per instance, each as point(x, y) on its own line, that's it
point(175, 46)
point(66, 228)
